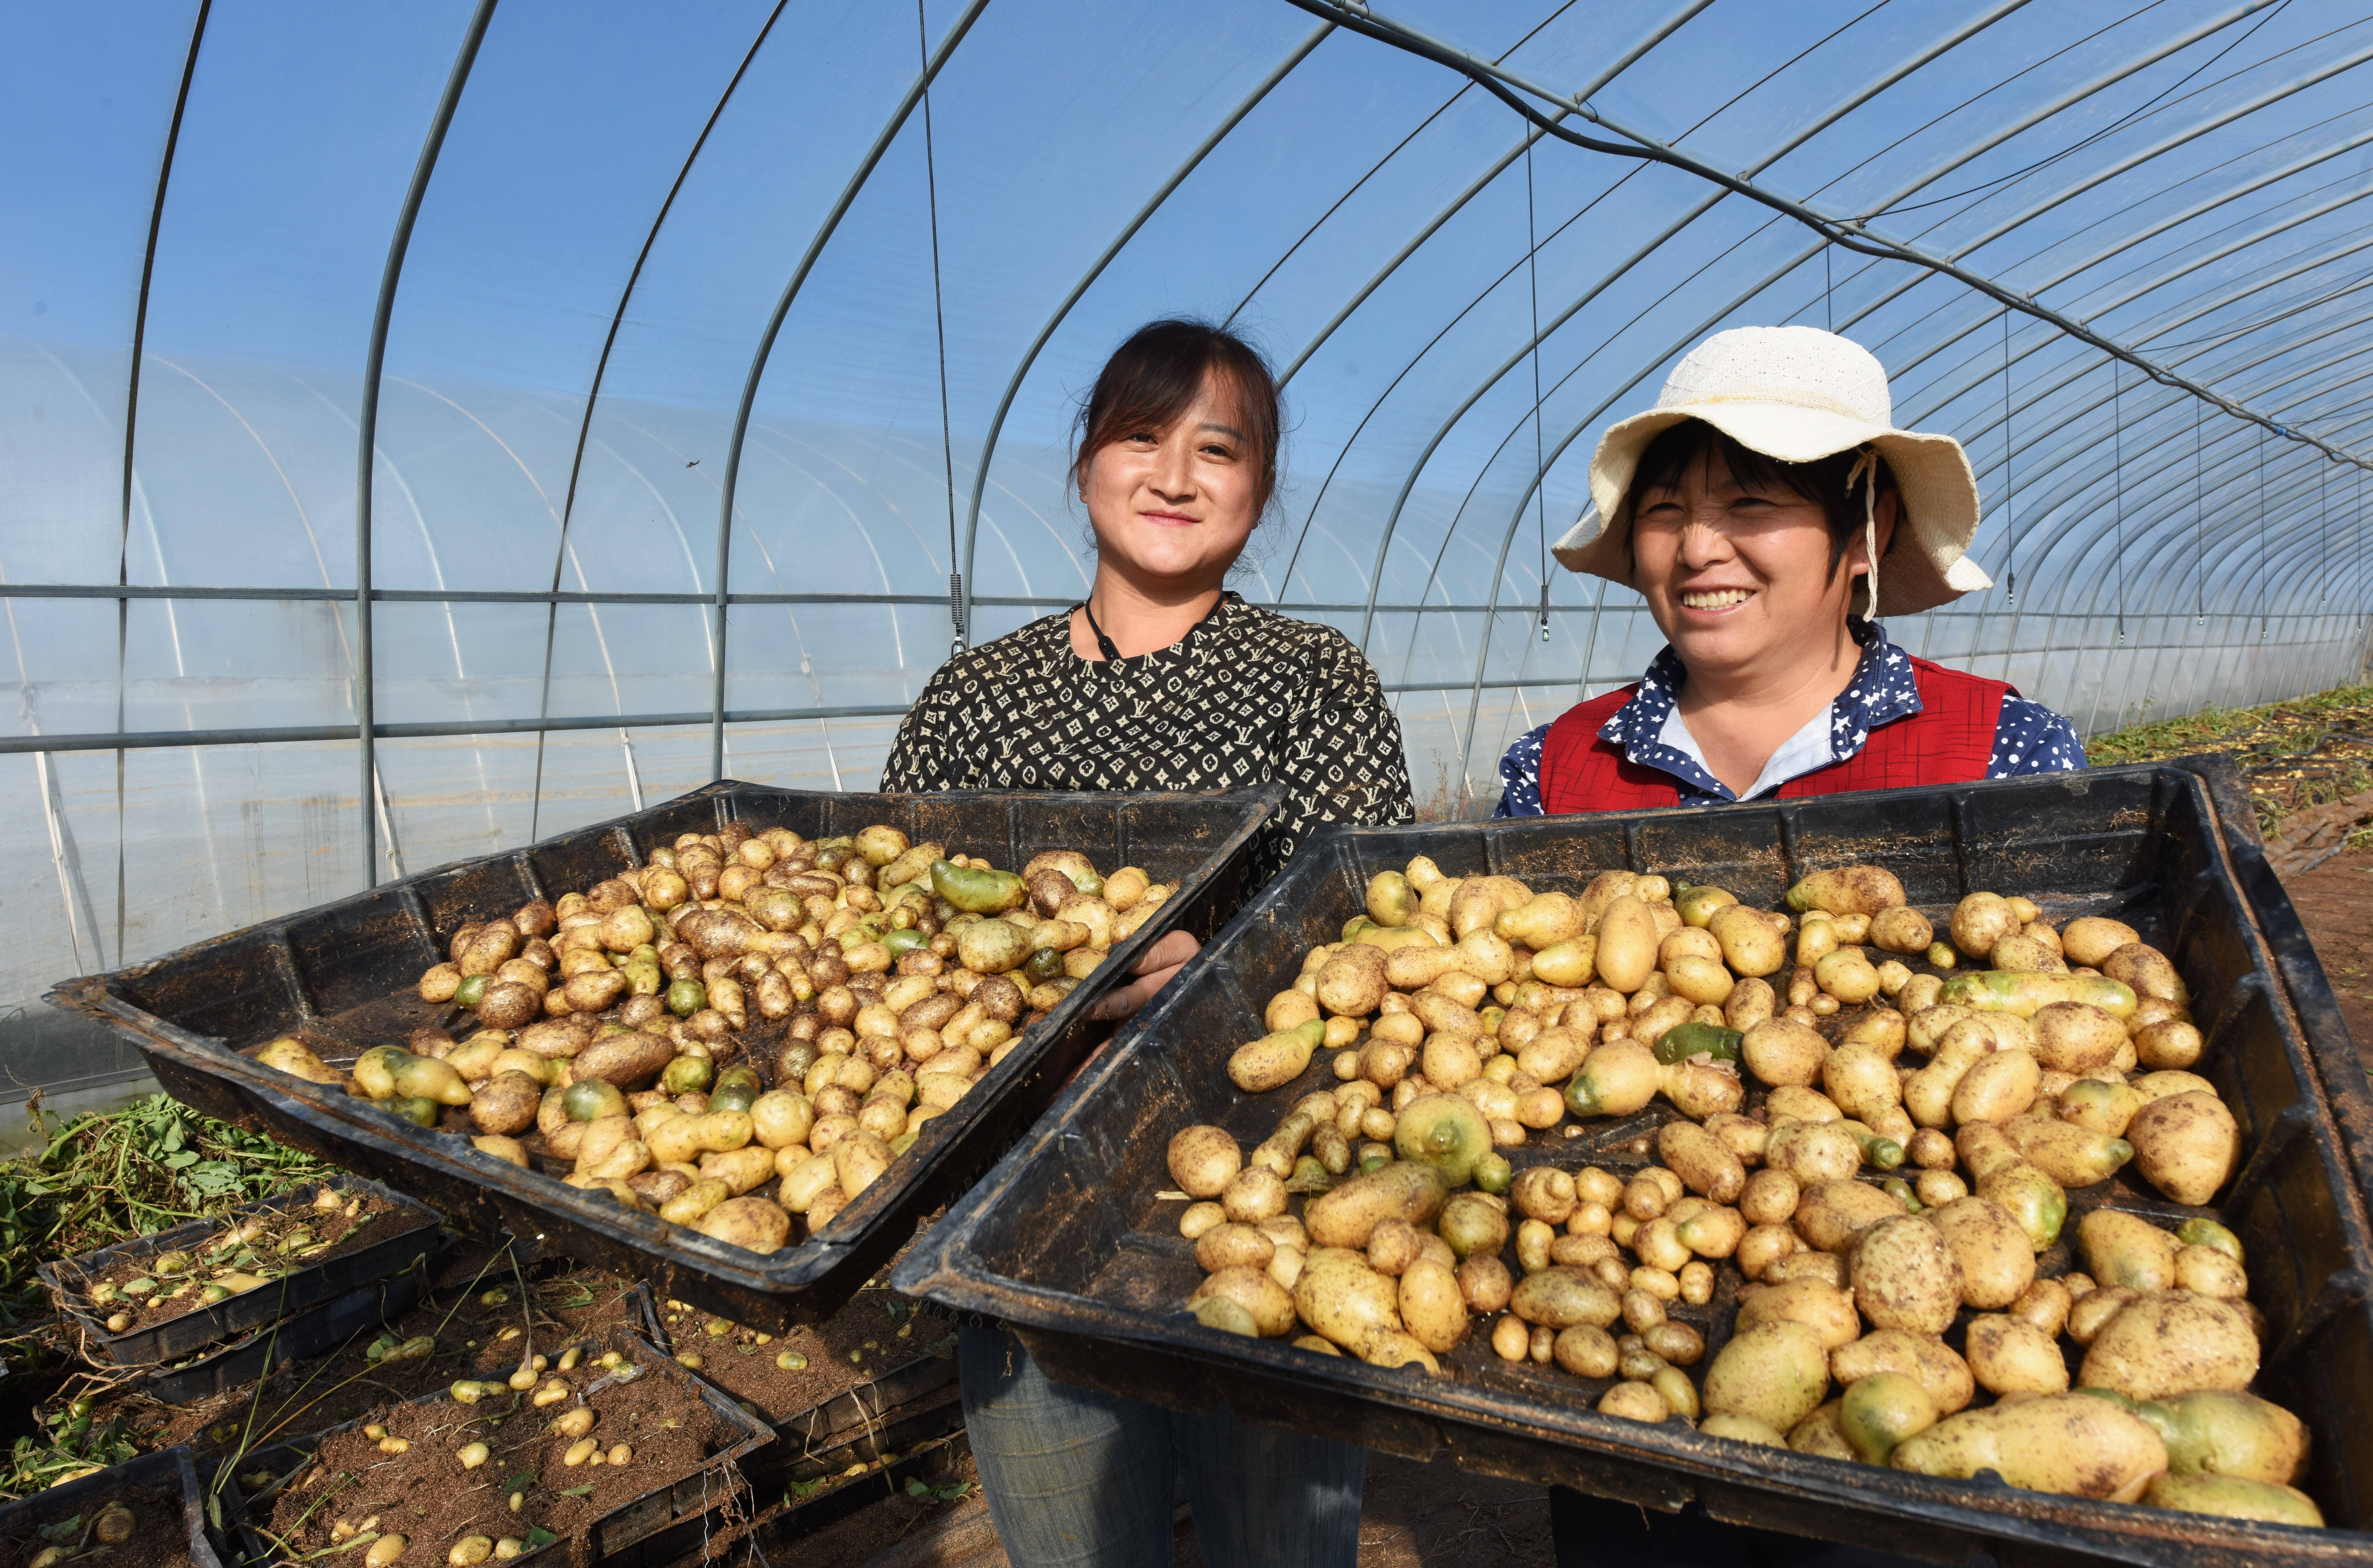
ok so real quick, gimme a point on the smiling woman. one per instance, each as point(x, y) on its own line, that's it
point(1748, 507)
point(1162, 681)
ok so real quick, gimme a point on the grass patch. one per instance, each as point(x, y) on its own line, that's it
point(2307, 751)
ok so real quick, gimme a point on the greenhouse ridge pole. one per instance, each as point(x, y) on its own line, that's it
point(1853, 233)
point(367, 420)
point(823, 234)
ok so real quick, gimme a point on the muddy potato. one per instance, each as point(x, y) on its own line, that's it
point(2187, 1145)
point(1832, 1215)
point(1750, 945)
point(1996, 1263)
point(2205, 1270)
point(506, 1104)
point(2071, 1036)
point(1812, 1152)
point(1560, 1297)
point(1980, 922)
point(1877, 1412)
point(1820, 1307)
point(1848, 890)
point(2172, 1343)
point(292, 1057)
point(2010, 1356)
point(630, 1061)
point(2070, 1444)
point(1203, 1160)
point(1345, 1300)
point(1781, 1051)
point(1705, 1166)
point(1934, 1365)
point(2147, 972)
point(1906, 1276)
point(502, 1148)
point(1776, 1373)
point(2024, 955)
point(1618, 1078)
point(757, 1223)
point(1346, 1216)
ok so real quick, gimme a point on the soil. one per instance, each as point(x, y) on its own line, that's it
point(425, 1495)
point(874, 1335)
point(373, 1219)
point(2335, 903)
point(160, 1537)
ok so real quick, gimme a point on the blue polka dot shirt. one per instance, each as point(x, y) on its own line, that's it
point(2028, 738)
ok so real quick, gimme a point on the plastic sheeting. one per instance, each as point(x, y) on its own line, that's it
point(1461, 306)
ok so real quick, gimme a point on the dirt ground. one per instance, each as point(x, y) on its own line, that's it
point(2335, 903)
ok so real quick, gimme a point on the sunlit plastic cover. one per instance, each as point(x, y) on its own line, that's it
point(916, 289)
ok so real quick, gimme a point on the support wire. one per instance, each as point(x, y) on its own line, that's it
point(939, 326)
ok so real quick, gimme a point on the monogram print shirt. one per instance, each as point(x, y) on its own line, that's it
point(1245, 698)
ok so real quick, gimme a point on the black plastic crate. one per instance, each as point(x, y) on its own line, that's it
point(657, 1527)
point(1067, 1242)
point(344, 977)
point(175, 1338)
point(167, 1469)
point(318, 1328)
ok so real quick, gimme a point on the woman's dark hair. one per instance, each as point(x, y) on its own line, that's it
point(1677, 451)
point(1156, 376)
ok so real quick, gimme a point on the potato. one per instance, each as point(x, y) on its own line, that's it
point(1262, 1300)
point(2092, 939)
point(1996, 1263)
point(1934, 1364)
point(2070, 1444)
point(2172, 1343)
point(1776, 1373)
point(292, 1056)
point(2023, 954)
point(2045, 1305)
point(758, 1225)
point(2219, 1431)
point(1901, 930)
point(1433, 1307)
point(1275, 1059)
point(2071, 1037)
point(2206, 1271)
point(1743, 1428)
point(1820, 1307)
point(1848, 890)
point(1203, 1160)
point(1980, 922)
point(1812, 1152)
point(1877, 1412)
point(2168, 1043)
point(1704, 1164)
point(1996, 1088)
point(2023, 994)
point(506, 1103)
point(1618, 1078)
point(2147, 972)
point(2125, 1249)
point(1345, 1217)
point(509, 1149)
point(1560, 1297)
point(2234, 1497)
point(1781, 1051)
point(2008, 1356)
point(1626, 955)
point(1345, 1300)
point(1832, 1215)
point(630, 1061)
point(678, 1141)
point(1847, 976)
point(2100, 1106)
point(2187, 1145)
point(1905, 1276)
point(1750, 945)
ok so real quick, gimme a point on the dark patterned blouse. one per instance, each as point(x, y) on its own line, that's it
point(1246, 697)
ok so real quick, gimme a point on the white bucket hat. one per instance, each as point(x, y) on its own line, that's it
point(1798, 394)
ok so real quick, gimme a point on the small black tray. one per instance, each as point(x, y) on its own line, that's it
point(169, 1466)
point(176, 1338)
point(655, 1529)
point(1097, 1297)
point(342, 976)
point(308, 1333)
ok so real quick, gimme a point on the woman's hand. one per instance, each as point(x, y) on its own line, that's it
point(1153, 971)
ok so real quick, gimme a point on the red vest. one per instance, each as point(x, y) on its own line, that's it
point(1949, 740)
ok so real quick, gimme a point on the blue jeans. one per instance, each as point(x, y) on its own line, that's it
point(1076, 1479)
point(1598, 1532)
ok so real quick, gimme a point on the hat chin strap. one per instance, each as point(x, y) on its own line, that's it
point(1865, 469)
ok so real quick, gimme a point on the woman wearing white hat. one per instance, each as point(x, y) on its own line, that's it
point(1748, 506)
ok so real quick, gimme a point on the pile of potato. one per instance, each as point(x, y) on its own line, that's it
point(752, 1026)
point(1902, 1163)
